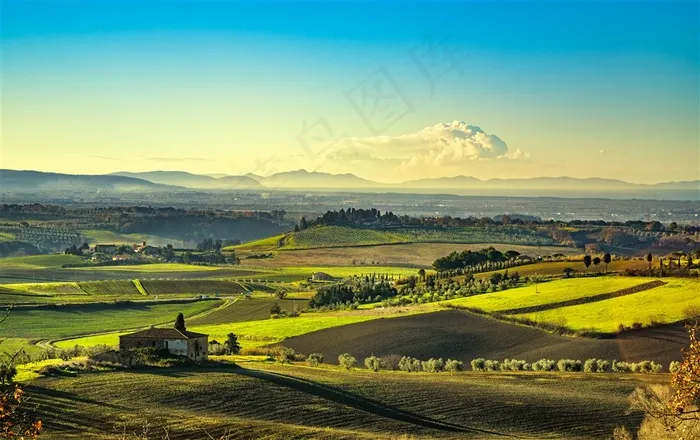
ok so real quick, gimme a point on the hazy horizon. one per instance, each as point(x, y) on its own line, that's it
point(387, 94)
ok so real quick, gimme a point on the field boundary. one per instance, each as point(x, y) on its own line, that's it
point(585, 300)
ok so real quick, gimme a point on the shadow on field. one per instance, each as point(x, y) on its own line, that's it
point(358, 402)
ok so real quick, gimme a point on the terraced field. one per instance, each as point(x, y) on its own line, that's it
point(195, 287)
point(291, 402)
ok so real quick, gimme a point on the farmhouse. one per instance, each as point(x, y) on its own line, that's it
point(179, 342)
point(321, 276)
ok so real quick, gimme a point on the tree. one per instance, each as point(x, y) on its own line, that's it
point(15, 420)
point(303, 224)
point(231, 344)
point(281, 293)
point(649, 259)
point(180, 322)
point(567, 272)
point(421, 274)
point(607, 259)
point(596, 261)
point(587, 262)
point(275, 309)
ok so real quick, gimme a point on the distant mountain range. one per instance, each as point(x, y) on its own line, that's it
point(189, 180)
point(302, 179)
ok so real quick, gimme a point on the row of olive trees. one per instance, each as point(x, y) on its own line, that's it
point(592, 365)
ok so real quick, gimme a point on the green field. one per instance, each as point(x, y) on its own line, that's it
point(545, 293)
point(55, 322)
point(265, 400)
point(665, 304)
point(330, 236)
point(39, 261)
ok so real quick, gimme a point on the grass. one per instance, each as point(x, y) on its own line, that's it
point(274, 401)
point(665, 304)
point(6, 236)
point(546, 293)
point(53, 322)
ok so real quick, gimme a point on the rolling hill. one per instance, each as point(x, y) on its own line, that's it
point(182, 178)
point(37, 181)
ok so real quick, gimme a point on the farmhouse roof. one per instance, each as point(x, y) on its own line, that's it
point(164, 333)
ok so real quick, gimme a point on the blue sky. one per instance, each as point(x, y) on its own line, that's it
point(222, 87)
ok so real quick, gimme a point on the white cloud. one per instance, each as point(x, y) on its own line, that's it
point(442, 145)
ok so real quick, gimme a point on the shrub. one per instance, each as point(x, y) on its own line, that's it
point(674, 366)
point(623, 367)
point(569, 365)
point(544, 365)
point(286, 356)
point(454, 366)
point(375, 363)
point(7, 373)
point(595, 366)
point(347, 361)
point(478, 364)
point(314, 359)
point(410, 364)
point(433, 365)
point(490, 365)
point(391, 361)
point(513, 365)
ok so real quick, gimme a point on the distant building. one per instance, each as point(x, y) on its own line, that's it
point(179, 342)
point(110, 249)
point(321, 276)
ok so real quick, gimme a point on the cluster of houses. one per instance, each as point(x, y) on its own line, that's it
point(117, 252)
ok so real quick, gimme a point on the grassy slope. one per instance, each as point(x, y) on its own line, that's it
point(663, 304)
point(549, 292)
point(335, 236)
point(275, 401)
point(329, 236)
point(53, 322)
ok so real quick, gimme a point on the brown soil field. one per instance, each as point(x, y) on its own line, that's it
point(407, 255)
point(465, 336)
point(272, 401)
